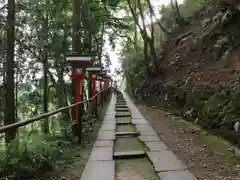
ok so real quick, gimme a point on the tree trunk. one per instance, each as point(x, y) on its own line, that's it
point(16, 93)
point(76, 48)
point(45, 126)
point(9, 114)
point(135, 27)
point(76, 25)
point(153, 53)
point(158, 21)
point(175, 8)
point(145, 51)
point(152, 38)
point(102, 42)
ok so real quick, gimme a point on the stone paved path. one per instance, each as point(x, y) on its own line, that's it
point(101, 164)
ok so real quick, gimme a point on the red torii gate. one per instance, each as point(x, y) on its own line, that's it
point(79, 65)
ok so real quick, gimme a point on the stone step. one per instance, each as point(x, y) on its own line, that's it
point(179, 175)
point(103, 143)
point(149, 138)
point(120, 101)
point(166, 161)
point(124, 122)
point(122, 115)
point(121, 106)
point(122, 110)
point(127, 134)
point(128, 155)
point(156, 146)
point(101, 153)
point(99, 170)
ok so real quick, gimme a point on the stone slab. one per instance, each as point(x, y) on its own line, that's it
point(148, 133)
point(99, 170)
point(101, 154)
point(121, 101)
point(127, 133)
point(124, 118)
point(144, 128)
point(165, 161)
point(136, 117)
point(149, 138)
point(110, 112)
point(99, 143)
point(156, 146)
point(136, 122)
point(177, 175)
point(122, 110)
point(106, 135)
point(121, 106)
point(124, 122)
point(129, 154)
point(109, 121)
point(109, 118)
point(123, 114)
point(108, 127)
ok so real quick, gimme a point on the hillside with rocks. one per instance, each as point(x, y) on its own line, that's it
point(199, 70)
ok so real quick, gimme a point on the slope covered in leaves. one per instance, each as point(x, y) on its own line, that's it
point(199, 70)
point(205, 53)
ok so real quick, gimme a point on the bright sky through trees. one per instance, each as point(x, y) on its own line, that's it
point(114, 54)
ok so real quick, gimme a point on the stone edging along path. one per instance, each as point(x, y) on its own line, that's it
point(101, 163)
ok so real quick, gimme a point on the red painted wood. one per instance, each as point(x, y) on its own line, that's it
point(78, 76)
point(78, 97)
point(94, 87)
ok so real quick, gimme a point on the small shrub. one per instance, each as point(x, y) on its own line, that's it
point(31, 157)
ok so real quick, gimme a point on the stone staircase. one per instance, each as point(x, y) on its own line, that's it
point(128, 148)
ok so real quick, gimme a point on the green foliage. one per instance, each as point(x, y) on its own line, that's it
point(47, 26)
point(33, 156)
point(134, 67)
point(187, 10)
point(190, 7)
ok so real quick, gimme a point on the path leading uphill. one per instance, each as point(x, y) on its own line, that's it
point(127, 148)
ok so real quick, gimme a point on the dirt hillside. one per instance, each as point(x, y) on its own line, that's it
point(200, 70)
point(206, 52)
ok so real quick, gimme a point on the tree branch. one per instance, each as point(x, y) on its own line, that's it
point(29, 49)
point(158, 21)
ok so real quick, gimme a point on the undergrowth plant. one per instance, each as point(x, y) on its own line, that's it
point(34, 155)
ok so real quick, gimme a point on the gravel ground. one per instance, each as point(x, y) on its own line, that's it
point(208, 157)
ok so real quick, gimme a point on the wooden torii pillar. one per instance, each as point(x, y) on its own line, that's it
point(102, 84)
point(94, 71)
